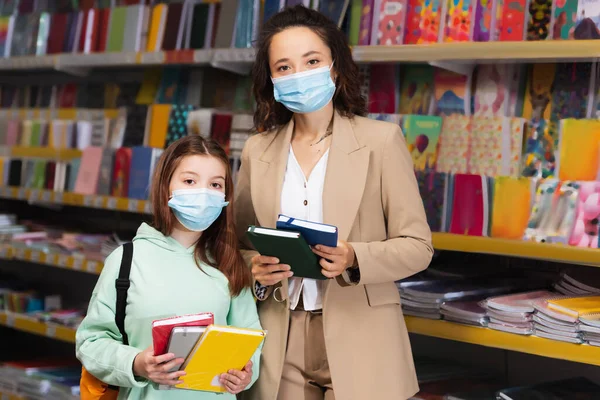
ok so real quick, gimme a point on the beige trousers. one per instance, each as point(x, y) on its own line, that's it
point(306, 373)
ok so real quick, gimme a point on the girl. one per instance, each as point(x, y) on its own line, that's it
point(318, 159)
point(187, 262)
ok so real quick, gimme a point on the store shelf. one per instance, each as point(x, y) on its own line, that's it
point(580, 353)
point(483, 52)
point(75, 199)
point(31, 325)
point(464, 52)
point(516, 248)
point(55, 260)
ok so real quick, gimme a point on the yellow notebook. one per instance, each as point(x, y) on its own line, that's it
point(159, 124)
point(579, 147)
point(576, 306)
point(220, 349)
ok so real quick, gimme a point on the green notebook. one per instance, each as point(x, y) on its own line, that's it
point(289, 247)
point(116, 34)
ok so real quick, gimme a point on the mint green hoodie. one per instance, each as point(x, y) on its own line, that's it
point(165, 282)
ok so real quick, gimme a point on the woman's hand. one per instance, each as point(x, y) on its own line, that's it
point(267, 271)
point(156, 368)
point(335, 260)
point(236, 381)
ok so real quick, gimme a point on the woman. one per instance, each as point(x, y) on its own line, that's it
point(318, 159)
point(187, 263)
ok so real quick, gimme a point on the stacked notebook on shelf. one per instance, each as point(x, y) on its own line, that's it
point(208, 350)
point(514, 313)
point(291, 243)
point(426, 298)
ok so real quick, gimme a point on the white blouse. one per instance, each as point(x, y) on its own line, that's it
point(303, 199)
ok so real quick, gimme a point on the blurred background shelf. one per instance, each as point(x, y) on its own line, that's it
point(580, 353)
point(516, 248)
point(31, 325)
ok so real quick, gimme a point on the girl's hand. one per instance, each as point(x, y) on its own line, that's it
point(156, 368)
point(237, 381)
point(267, 271)
point(335, 260)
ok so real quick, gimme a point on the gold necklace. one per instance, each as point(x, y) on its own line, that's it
point(327, 133)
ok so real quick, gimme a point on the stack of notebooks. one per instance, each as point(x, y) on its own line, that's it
point(579, 282)
point(434, 298)
point(514, 313)
point(208, 350)
point(568, 319)
point(291, 243)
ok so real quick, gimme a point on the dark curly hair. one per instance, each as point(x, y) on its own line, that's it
point(347, 100)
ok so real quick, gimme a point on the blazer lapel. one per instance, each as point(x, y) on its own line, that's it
point(267, 175)
point(345, 179)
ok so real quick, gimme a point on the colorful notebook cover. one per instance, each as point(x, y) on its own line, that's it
point(482, 24)
point(451, 93)
point(511, 206)
point(492, 90)
point(459, 20)
point(412, 32)
point(553, 214)
point(539, 158)
point(366, 22)
point(219, 349)
point(392, 22)
point(422, 137)
point(514, 20)
point(588, 16)
point(121, 170)
point(488, 146)
point(579, 148)
point(161, 329)
point(178, 123)
point(570, 95)
point(416, 89)
point(453, 154)
point(431, 21)
point(382, 93)
point(539, 91)
point(469, 211)
point(432, 187)
point(576, 306)
point(539, 18)
point(586, 231)
point(564, 19)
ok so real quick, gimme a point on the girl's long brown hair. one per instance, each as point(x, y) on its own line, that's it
point(218, 245)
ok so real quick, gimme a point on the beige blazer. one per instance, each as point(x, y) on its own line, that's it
point(372, 196)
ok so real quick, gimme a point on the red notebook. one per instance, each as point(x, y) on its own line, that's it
point(102, 31)
point(122, 167)
point(56, 38)
point(161, 329)
point(382, 93)
point(470, 205)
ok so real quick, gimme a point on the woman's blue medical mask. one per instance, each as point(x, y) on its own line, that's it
point(305, 92)
point(197, 209)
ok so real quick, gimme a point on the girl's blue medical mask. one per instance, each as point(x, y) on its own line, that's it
point(305, 92)
point(197, 209)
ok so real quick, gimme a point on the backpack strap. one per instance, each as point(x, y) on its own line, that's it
point(122, 285)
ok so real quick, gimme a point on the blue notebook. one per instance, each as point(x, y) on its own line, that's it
point(314, 233)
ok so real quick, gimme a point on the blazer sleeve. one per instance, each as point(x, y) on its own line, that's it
point(408, 247)
point(244, 216)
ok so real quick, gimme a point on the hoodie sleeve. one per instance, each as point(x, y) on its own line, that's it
point(99, 344)
point(243, 314)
